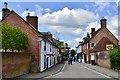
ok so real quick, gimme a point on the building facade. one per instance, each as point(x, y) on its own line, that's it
point(42, 46)
point(97, 44)
point(49, 53)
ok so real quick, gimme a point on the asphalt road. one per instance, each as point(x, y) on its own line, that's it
point(77, 71)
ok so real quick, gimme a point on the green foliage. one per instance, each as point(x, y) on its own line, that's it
point(73, 52)
point(114, 56)
point(13, 38)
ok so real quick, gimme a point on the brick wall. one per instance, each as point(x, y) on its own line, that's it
point(15, 64)
point(103, 33)
point(104, 63)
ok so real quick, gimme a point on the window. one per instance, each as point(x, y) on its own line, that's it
point(92, 44)
point(44, 45)
point(50, 47)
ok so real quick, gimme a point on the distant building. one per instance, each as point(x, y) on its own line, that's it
point(96, 48)
point(79, 52)
point(62, 49)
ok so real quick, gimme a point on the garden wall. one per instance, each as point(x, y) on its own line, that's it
point(104, 63)
point(15, 64)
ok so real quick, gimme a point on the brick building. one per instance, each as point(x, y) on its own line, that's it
point(29, 26)
point(96, 46)
point(42, 45)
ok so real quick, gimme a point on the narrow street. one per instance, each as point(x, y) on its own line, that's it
point(78, 70)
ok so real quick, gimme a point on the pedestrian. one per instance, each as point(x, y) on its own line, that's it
point(71, 60)
point(68, 60)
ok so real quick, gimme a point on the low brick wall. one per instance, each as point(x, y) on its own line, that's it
point(104, 63)
point(15, 64)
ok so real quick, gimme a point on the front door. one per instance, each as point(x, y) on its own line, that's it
point(47, 62)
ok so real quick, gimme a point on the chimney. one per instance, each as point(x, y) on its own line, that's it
point(33, 21)
point(5, 10)
point(92, 32)
point(103, 22)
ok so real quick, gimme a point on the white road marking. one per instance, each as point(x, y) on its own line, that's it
point(57, 73)
point(96, 72)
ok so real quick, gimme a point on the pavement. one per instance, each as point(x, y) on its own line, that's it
point(35, 76)
point(108, 72)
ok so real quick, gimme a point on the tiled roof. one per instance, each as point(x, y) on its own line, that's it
point(101, 46)
point(38, 33)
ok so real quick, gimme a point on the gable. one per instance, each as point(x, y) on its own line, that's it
point(101, 46)
point(14, 19)
point(104, 32)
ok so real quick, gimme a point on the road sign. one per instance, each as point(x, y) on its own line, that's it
point(109, 46)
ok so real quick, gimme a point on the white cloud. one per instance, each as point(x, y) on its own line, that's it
point(1, 15)
point(74, 42)
point(101, 5)
point(117, 1)
point(113, 25)
point(69, 18)
point(47, 10)
point(25, 13)
point(65, 30)
point(69, 21)
point(39, 9)
point(95, 25)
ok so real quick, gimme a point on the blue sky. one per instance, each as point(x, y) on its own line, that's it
point(69, 21)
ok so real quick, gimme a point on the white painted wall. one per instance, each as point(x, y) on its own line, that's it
point(54, 52)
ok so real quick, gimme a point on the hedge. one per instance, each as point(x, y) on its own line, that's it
point(114, 56)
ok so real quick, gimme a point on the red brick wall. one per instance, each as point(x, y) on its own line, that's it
point(103, 33)
point(104, 63)
point(15, 64)
point(86, 49)
point(33, 43)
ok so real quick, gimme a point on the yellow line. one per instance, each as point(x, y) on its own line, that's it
point(97, 72)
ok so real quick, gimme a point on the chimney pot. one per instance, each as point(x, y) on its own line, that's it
point(103, 22)
point(5, 5)
point(5, 11)
point(92, 32)
point(28, 14)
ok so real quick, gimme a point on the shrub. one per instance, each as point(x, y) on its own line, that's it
point(114, 56)
point(12, 38)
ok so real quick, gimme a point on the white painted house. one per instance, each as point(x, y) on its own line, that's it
point(49, 54)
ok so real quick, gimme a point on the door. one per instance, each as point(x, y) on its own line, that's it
point(47, 62)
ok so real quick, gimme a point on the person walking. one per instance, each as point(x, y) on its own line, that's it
point(71, 60)
point(68, 60)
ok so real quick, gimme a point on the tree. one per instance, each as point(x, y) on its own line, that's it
point(12, 38)
point(73, 52)
point(114, 56)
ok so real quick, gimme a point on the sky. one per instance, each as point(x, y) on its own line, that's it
point(69, 21)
